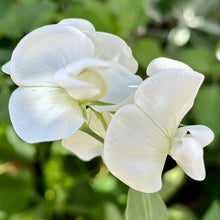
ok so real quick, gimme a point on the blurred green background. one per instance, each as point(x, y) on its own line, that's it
point(44, 181)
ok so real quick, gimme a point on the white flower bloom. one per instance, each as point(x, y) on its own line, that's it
point(57, 68)
point(141, 135)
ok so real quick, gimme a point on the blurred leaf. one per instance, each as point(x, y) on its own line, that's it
point(213, 212)
point(207, 107)
point(23, 149)
point(111, 212)
point(172, 181)
point(15, 191)
point(4, 115)
point(180, 212)
point(57, 148)
point(200, 59)
point(145, 50)
point(148, 206)
point(22, 17)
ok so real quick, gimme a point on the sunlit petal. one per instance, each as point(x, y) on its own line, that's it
point(201, 133)
point(44, 51)
point(162, 63)
point(44, 114)
point(81, 24)
point(83, 145)
point(115, 49)
point(167, 96)
point(188, 154)
point(135, 149)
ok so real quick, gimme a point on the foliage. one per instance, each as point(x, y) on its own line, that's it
point(45, 181)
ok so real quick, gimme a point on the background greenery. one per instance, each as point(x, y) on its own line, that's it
point(44, 181)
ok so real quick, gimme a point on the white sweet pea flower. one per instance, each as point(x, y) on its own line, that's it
point(58, 68)
point(141, 135)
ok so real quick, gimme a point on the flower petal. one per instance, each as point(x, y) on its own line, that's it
point(83, 145)
point(77, 89)
point(162, 63)
point(44, 114)
point(115, 49)
point(188, 154)
point(167, 96)
point(44, 51)
point(135, 149)
point(81, 24)
point(120, 82)
point(201, 133)
point(6, 67)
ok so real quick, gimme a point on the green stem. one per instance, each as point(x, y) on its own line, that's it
point(90, 132)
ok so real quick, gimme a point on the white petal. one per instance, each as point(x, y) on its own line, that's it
point(115, 49)
point(44, 114)
point(120, 89)
point(6, 67)
point(83, 145)
point(201, 133)
point(188, 154)
point(162, 63)
point(77, 89)
point(76, 67)
point(135, 150)
point(81, 24)
point(44, 51)
point(167, 96)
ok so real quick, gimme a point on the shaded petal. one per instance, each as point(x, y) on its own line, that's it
point(135, 149)
point(6, 67)
point(120, 86)
point(115, 49)
point(162, 63)
point(201, 133)
point(83, 145)
point(81, 24)
point(167, 96)
point(44, 51)
point(188, 154)
point(76, 67)
point(76, 88)
point(44, 114)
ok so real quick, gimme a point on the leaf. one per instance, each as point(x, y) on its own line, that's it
point(181, 212)
point(145, 206)
point(112, 212)
point(145, 50)
point(213, 212)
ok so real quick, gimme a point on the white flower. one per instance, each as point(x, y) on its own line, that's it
point(141, 135)
point(57, 68)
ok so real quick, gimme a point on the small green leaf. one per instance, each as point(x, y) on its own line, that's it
point(145, 206)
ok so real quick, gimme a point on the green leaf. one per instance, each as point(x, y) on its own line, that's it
point(207, 107)
point(112, 212)
point(23, 149)
point(145, 206)
point(145, 50)
point(180, 212)
point(213, 212)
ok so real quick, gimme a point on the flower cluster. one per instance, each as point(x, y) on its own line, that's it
point(72, 79)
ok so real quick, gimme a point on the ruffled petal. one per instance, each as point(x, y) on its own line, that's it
point(188, 154)
point(167, 96)
point(44, 51)
point(44, 114)
point(201, 133)
point(115, 49)
point(120, 86)
point(80, 24)
point(135, 149)
point(6, 67)
point(83, 145)
point(162, 63)
point(76, 88)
